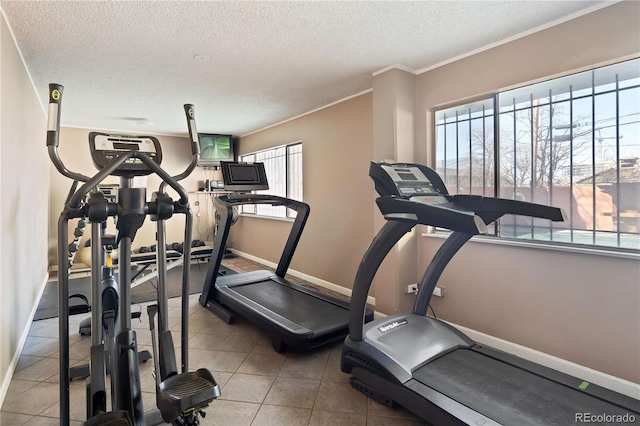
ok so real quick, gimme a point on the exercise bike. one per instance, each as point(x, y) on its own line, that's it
point(180, 396)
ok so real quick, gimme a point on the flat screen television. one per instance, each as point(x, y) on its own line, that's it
point(215, 148)
point(244, 177)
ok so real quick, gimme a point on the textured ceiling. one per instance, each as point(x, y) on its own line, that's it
point(270, 61)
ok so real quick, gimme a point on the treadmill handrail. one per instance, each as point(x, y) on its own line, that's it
point(302, 209)
point(464, 213)
point(275, 200)
point(484, 206)
point(431, 214)
point(224, 206)
point(381, 245)
point(489, 209)
point(439, 262)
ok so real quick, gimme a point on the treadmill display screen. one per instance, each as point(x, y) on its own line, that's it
point(240, 173)
point(243, 177)
point(407, 176)
point(409, 180)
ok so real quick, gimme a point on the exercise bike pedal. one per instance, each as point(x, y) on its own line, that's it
point(186, 392)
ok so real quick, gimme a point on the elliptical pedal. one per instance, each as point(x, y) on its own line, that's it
point(183, 394)
point(191, 385)
point(186, 393)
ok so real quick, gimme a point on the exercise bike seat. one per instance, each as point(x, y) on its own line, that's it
point(186, 392)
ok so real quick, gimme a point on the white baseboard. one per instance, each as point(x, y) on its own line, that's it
point(4, 388)
point(313, 280)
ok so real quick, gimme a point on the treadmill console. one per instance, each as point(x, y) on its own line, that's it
point(417, 191)
point(105, 147)
point(244, 177)
point(411, 181)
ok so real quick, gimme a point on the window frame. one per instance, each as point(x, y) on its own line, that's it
point(441, 120)
point(289, 214)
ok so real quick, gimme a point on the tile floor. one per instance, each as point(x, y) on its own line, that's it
point(259, 386)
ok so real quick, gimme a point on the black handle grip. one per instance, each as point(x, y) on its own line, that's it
point(53, 124)
point(190, 112)
point(53, 131)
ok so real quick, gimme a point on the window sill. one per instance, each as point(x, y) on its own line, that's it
point(544, 245)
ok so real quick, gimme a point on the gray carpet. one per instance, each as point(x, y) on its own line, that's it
point(145, 292)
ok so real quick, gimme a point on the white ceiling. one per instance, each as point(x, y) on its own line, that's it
point(270, 61)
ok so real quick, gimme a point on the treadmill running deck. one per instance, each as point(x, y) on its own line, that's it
point(308, 311)
point(509, 395)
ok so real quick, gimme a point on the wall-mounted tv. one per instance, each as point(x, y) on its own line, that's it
point(215, 148)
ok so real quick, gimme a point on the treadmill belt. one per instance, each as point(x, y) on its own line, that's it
point(507, 394)
point(320, 316)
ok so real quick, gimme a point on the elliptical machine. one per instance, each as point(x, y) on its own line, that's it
point(180, 395)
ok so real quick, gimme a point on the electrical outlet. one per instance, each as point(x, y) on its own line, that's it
point(439, 291)
point(412, 288)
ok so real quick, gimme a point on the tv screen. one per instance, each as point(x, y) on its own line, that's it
point(215, 148)
point(244, 177)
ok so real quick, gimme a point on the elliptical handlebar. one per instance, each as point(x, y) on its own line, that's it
point(91, 183)
point(190, 114)
point(53, 133)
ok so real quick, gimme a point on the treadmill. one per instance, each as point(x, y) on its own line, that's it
point(430, 367)
point(294, 316)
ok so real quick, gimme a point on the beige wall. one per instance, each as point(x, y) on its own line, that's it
point(337, 149)
point(24, 183)
point(599, 38)
point(74, 151)
point(394, 103)
point(580, 307)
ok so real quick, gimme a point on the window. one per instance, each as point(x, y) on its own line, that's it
point(571, 142)
point(283, 166)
